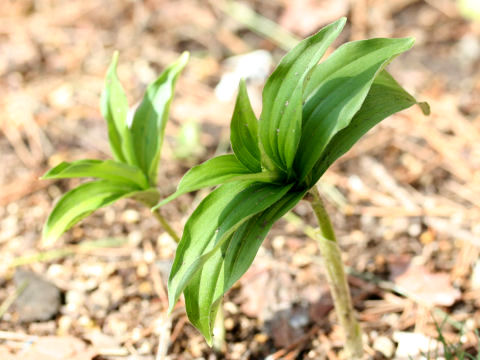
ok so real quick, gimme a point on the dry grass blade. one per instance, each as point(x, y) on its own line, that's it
point(11, 299)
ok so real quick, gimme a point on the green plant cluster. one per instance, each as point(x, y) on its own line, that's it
point(313, 112)
point(136, 147)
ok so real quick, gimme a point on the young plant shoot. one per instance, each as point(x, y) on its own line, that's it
point(312, 114)
point(136, 146)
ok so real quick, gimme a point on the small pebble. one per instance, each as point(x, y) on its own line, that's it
point(230, 307)
point(412, 344)
point(142, 270)
point(415, 229)
point(261, 338)
point(278, 242)
point(145, 288)
point(229, 324)
point(131, 216)
point(39, 300)
point(64, 325)
point(301, 260)
point(98, 303)
point(384, 345)
point(74, 300)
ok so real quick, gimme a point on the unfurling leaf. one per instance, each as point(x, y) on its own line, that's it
point(150, 118)
point(114, 107)
point(281, 120)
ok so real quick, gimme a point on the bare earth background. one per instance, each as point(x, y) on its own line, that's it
point(405, 201)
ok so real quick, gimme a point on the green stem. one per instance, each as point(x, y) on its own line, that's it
point(150, 198)
point(166, 226)
point(218, 343)
point(336, 277)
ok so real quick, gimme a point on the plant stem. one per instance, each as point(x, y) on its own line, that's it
point(218, 343)
point(336, 277)
point(149, 198)
point(166, 226)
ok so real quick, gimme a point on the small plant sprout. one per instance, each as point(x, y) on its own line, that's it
point(136, 146)
point(312, 114)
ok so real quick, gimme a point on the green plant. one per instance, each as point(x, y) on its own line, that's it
point(136, 146)
point(136, 142)
point(312, 114)
point(448, 350)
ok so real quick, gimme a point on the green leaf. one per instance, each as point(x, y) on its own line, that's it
point(81, 202)
point(212, 222)
point(216, 171)
point(148, 124)
point(114, 107)
point(336, 91)
point(244, 131)
point(205, 291)
point(385, 98)
point(281, 119)
point(107, 170)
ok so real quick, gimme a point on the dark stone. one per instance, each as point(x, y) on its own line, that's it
point(40, 300)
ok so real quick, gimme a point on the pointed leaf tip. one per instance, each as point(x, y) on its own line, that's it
point(184, 57)
point(281, 120)
point(341, 22)
point(114, 108)
point(115, 57)
point(244, 131)
point(425, 106)
point(336, 91)
point(147, 128)
point(384, 98)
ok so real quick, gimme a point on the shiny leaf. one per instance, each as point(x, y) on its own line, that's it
point(385, 98)
point(114, 107)
point(281, 119)
point(336, 91)
point(212, 222)
point(205, 291)
point(150, 118)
